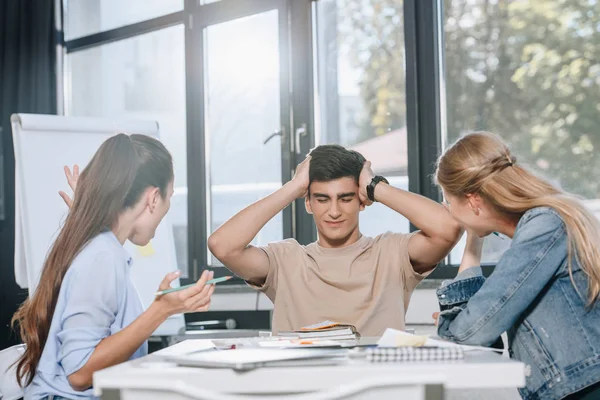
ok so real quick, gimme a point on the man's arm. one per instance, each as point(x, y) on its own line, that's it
point(230, 243)
point(439, 232)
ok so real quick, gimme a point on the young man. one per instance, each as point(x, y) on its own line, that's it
point(344, 276)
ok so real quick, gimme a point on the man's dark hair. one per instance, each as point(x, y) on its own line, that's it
point(331, 161)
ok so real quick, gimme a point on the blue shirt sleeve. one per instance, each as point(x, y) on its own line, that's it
point(477, 311)
point(91, 307)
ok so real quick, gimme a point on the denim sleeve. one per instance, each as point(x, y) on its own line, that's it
point(92, 305)
point(456, 292)
point(477, 311)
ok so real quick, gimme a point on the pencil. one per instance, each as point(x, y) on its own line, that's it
point(210, 282)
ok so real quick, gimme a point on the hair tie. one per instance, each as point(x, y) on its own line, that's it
point(510, 161)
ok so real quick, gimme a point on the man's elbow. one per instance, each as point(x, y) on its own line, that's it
point(217, 247)
point(80, 380)
point(450, 231)
point(222, 250)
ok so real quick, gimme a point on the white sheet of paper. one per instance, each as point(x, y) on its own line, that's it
point(391, 336)
point(187, 347)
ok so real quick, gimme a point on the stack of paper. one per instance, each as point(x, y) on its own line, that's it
point(326, 330)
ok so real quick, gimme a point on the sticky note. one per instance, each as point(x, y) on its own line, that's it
point(146, 251)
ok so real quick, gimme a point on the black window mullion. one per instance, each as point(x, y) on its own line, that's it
point(423, 94)
point(302, 103)
point(196, 163)
point(424, 71)
point(228, 10)
point(124, 32)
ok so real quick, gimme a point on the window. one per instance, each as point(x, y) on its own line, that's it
point(140, 78)
point(227, 62)
point(242, 110)
point(86, 17)
point(360, 92)
point(530, 72)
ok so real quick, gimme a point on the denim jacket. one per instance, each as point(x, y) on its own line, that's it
point(531, 297)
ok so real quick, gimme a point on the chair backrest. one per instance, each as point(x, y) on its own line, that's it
point(9, 388)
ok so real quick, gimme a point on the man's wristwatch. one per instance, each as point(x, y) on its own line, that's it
point(371, 187)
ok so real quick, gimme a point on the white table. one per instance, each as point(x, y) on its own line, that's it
point(151, 377)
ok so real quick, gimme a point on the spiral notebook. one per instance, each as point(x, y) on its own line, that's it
point(413, 354)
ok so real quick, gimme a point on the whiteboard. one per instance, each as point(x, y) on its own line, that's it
point(43, 145)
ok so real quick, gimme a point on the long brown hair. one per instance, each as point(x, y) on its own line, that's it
point(481, 163)
point(114, 180)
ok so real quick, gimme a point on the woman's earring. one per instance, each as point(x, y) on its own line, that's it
point(476, 211)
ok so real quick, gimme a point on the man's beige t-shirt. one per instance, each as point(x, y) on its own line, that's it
point(367, 284)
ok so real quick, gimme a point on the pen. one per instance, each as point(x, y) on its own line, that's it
point(210, 282)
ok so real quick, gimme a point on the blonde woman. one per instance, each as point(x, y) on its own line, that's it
point(544, 290)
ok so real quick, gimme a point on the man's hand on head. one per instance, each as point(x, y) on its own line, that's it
point(366, 176)
point(301, 177)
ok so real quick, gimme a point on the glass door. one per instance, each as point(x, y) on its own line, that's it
point(244, 107)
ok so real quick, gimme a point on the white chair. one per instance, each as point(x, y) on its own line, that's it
point(9, 388)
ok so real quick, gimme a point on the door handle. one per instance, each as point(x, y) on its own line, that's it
point(280, 132)
point(299, 133)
